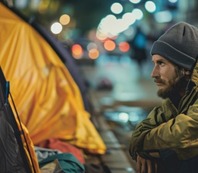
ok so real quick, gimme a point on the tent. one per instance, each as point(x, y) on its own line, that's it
point(16, 148)
point(48, 95)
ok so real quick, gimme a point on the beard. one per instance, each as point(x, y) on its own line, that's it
point(174, 90)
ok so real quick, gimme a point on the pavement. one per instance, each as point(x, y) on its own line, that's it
point(118, 82)
point(129, 85)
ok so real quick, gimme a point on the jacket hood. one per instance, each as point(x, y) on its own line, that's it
point(194, 77)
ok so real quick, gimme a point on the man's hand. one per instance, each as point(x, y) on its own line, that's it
point(146, 165)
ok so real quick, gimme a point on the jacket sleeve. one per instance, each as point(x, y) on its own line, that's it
point(157, 116)
point(178, 133)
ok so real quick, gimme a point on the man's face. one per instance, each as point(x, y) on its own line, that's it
point(165, 75)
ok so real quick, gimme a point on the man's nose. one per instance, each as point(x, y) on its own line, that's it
point(155, 72)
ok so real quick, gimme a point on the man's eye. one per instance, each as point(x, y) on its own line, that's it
point(160, 63)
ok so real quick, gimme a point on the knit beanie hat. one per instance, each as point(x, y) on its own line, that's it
point(179, 44)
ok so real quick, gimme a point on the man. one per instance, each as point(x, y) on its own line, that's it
point(167, 140)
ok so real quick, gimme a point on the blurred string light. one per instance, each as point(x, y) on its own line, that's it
point(129, 19)
point(100, 35)
point(163, 16)
point(109, 45)
point(137, 13)
point(107, 27)
point(56, 28)
point(111, 26)
point(64, 19)
point(93, 53)
point(150, 6)
point(77, 51)
point(135, 1)
point(116, 8)
point(124, 46)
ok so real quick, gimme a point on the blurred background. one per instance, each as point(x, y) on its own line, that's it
point(90, 28)
point(99, 32)
point(110, 40)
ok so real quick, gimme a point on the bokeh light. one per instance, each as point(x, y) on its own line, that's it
point(135, 1)
point(138, 13)
point(116, 8)
point(56, 28)
point(64, 19)
point(77, 51)
point(124, 46)
point(93, 53)
point(109, 45)
point(150, 6)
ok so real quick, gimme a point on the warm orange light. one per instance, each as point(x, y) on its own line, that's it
point(77, 51)
point(93, 53)
point(64, 19)
point(109, 45)
point(124, 46)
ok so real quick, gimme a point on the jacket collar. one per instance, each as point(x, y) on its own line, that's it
point(194, 77)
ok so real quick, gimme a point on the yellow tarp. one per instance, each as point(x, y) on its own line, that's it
point(47, 98)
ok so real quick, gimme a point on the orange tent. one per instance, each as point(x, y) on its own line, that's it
point(47, 98)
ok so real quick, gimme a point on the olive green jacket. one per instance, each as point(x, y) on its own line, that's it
point(169, 128)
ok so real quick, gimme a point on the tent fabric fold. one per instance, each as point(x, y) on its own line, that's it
point(47, 98)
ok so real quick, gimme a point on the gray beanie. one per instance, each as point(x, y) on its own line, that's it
point(179, 44)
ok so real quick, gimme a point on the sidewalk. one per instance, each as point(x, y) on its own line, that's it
point(128, 89)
